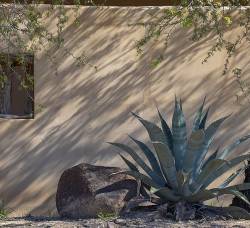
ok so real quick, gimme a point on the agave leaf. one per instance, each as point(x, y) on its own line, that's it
point(140, 162)
point(205, 194)
point(238, 187)
point(201, 196)
point(179, 135)
point(198, 116)
point(230, 148)
point(167, 163)
point(211, 167)
point(155, 133)
point(234, 212)
point(211, 157)
point(204, 120)
point(149, 154)
point(194, 148)
point(224, 168)
point(180, 180)
point(167, 132)
point(209, 135)
point(231, 191)
point(212, 129)
point(167, 194)
point(139, 176)
point(129, 164)
point(232, 177)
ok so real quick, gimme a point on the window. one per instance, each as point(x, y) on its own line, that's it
point(17, 86)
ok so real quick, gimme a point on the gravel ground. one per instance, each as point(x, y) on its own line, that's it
point(138, 220)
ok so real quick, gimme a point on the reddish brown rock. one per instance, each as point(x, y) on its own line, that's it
point(86, 190)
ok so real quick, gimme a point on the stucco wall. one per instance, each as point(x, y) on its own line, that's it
point(83, 109)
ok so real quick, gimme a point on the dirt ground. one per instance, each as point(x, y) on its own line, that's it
point(142, 220)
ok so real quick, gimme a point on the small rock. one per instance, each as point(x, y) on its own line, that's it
point(122, 222)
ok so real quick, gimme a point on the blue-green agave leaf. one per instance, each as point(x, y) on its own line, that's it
point(179, 133)
point(211, 167)
point(227, 151)
point(139, 176)
point(209, 135)
point(224, 168)
point(198, 116)
point(202, 124)
point(155, 133)
point(205, 195)
point(232, 177)
point(140, 162)
point(211, 157)
point(167, 163)
point(129, 164)
point(149, 154)
point(194, 148)
point(167, 194)
point(236, 193)
point(167, 131)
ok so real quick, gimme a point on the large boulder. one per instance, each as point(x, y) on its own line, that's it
point(86, 190)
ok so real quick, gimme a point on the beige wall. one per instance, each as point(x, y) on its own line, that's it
point(83, 109)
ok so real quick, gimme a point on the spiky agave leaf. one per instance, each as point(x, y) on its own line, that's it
point(179, 135)
point(223, 169)
point(203, 122)
point(232, 177)
point(209, 136)
point(155, 133)
point(167, 131)
point(167, 163)
point(149, 154)
point(198, 116)
point(194, 148)
point(159, 179)
point(213, 165)
point(228, 150)
point(207, 194)
point(211, 157)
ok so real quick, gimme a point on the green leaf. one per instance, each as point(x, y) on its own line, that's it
point(149, 154)
point(140, 162)
point(194, 148)
point(129, 164)
point(179, 135)
point(167, 194)
point(227, 151)
point(206, 173)
point(198, 116)
point(224, 168)
point(167, 132)
point(204, 120)
point(209, 135)
point(167, 163)
point(155, 133)
point(139, 176)
point(231, 191)
point(212, 129)
point(211, 157)
point(232, 177)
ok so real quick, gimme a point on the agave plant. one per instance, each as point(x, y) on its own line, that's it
point(181, 171)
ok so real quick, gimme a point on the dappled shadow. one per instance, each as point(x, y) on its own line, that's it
point(83, 108)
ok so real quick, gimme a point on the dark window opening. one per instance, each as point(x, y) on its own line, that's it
point(17, 86)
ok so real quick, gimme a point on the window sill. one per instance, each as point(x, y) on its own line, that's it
point(9, 116)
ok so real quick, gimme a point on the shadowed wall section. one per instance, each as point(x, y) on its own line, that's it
point(83, 109)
